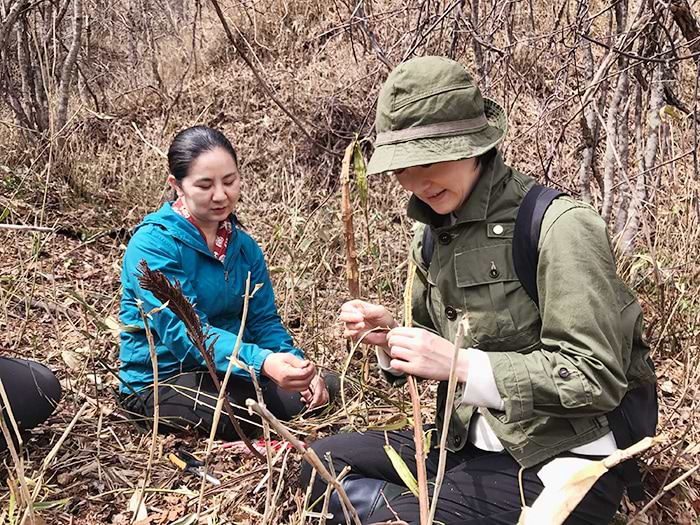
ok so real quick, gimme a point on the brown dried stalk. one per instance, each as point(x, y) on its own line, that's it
point(422, 474)
point(352, 273)
point(156, 408)
point(308, 454)
point(16, 458)
point(462, 328)
point(222, 395)
point(166, 292)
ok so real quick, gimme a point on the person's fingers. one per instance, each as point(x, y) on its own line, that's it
point(355, 327)
point(351, 316)
point(305, 374)
point(296, 363)
point(401, 340)
point(405, 331)
point(402, 353)
point(401, 366)
point(306, 396)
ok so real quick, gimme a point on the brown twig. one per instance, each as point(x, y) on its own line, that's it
point(159, 285)
point(308, 454)
point(261, 80)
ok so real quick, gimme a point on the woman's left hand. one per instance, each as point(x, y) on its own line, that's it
point(423, 354)
point(317, 393)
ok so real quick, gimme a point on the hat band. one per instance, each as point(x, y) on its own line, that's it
point(431, 130)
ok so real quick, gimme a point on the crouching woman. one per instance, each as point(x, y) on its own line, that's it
point(536, 381)
point(197, 241)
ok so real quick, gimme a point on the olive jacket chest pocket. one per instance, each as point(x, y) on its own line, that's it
point(501, 315)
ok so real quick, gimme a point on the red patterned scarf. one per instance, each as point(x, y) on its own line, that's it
point(223, 234)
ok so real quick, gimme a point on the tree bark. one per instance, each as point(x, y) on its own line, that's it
point(68, 67)
point(629, 234)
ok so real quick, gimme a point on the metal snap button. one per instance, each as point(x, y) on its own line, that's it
point(458, 440)
point(444, 238)
point(494, 273)
point(450, 313)
point(498, 229)
point(564, 373)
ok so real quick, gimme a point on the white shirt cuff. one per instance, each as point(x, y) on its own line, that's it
point(385, 361)
point(480, 389)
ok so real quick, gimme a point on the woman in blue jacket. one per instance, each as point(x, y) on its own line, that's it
point(196, 240)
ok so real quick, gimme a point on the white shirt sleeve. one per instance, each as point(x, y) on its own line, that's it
point(385, 361)
point(480, 389)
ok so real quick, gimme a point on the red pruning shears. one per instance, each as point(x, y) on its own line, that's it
point(189, 463)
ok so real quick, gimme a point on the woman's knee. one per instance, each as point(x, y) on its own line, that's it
point(327, 449)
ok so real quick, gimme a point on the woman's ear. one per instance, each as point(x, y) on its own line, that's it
point(175, 185)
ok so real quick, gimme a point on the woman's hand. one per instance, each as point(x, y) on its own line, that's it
point(288, 371)
point(421, 353)
point(317, 393)
point(360, 317)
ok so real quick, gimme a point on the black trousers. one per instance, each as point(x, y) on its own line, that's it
point(32, 390)
point(479, 488)
point(188, 400)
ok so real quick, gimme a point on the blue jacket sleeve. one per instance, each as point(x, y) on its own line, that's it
point(161, 253)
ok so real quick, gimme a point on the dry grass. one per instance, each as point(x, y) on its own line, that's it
point(56, 290)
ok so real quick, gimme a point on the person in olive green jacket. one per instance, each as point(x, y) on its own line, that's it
point(535, 384)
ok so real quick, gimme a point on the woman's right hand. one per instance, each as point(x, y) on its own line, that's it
point(360, 317)
point(288, 371)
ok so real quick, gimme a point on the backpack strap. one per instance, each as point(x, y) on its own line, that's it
point(428, 246)
point(526, 236)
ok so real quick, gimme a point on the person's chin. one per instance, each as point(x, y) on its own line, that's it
point(442, 208)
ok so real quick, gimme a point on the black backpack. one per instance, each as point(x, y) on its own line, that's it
point(637, 415)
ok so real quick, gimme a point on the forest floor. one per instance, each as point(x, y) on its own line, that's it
point(59, 291)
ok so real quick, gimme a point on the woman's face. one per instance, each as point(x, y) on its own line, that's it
point(211, 188)
point(444, 186)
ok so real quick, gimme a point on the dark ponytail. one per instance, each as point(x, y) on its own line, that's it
point(190, 143)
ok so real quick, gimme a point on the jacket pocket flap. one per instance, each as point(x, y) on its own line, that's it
point(485, 265)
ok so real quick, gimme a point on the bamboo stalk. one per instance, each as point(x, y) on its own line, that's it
point(421, 472)
point(352, 273)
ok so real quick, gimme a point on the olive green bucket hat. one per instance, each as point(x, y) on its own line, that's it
point(429, 110)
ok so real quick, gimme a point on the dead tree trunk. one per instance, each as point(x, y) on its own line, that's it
point(629, 234)
point(68, 67)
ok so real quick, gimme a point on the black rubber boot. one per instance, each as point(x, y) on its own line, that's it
point(367, 496)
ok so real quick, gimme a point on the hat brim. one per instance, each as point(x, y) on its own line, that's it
point(417, 152)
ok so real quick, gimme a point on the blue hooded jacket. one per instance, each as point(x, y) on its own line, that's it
point(170, 243)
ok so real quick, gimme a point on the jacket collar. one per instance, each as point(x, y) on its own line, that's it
point(476, 207)
point(183, 230)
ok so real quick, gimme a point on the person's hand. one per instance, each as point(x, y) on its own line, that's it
point(360, 317)
point(317, 393)
point(421, 353)
point(288, 371)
